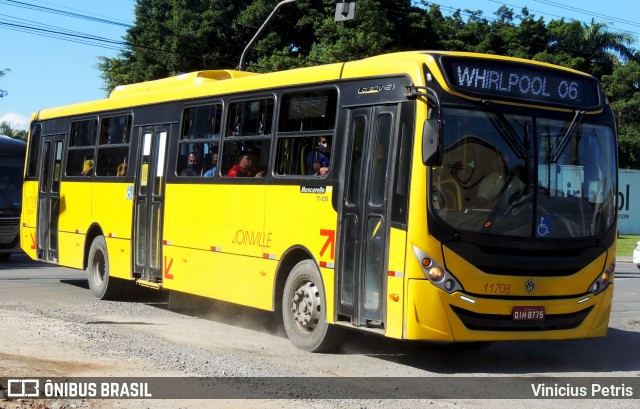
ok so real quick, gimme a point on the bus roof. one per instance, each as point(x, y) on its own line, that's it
point(11, 147)
point(220, 82)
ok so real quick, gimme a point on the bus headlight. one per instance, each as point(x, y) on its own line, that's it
point(437, 274)
point(603, 280)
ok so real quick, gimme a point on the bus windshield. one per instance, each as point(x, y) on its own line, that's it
point(11, 168)
point(524, 175)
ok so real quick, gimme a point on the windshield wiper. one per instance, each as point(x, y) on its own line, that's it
point(568, 135)
point(508, 133)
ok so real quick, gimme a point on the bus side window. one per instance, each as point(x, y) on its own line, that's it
point(306, 126)
point(113, 146)
point(82, 139)
point(255, 151)
point(199, 139)
point(303, 156)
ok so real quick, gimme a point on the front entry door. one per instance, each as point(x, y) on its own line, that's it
point(364, 225)
point(148, 204)
point(49, 198)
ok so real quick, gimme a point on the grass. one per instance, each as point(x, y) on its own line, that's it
point(626, 243)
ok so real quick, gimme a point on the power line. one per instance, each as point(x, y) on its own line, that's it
point(587, 12)
point(49, 10)
point(452, 9)
point(583, 11)
point(44, 30)
point(49, 31)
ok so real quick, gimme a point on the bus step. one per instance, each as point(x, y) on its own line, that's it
point(149, 284)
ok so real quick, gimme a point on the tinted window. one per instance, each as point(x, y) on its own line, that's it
point(113, 148)
point(80, 156)
point(308, 111)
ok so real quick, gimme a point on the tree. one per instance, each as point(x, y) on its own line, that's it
point(2, 74)
point(170, 37)
point(5, 129)
point(175, 36)
point(589, 48)
point(623, 90)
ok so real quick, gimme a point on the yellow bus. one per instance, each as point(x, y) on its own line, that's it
point(450, 197)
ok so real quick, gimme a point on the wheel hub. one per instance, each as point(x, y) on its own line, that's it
point(306, 306)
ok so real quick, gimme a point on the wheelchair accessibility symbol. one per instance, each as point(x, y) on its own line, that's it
point(544, 227)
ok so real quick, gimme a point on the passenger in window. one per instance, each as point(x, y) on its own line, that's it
point(87, 167)
point(122, 169)
point(243, 167)
point(193, 166)
point(214, 166)
point(318, 159)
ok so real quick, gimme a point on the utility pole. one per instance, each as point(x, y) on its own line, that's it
point(260, 30)
point(345, 10)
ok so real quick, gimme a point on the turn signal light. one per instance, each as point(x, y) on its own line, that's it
point(394, 297)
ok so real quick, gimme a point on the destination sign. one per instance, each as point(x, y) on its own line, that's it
point(508, 80)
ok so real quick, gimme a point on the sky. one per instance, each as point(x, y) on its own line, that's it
point(52, 59)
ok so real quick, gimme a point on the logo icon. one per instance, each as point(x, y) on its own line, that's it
point(23, 388)
point(530, 286)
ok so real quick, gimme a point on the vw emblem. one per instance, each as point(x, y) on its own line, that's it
point(530, 286)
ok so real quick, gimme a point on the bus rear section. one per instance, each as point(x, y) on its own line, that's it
point(12, 153)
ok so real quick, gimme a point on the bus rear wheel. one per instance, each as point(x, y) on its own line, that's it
point(304, 310)
point(101, 284)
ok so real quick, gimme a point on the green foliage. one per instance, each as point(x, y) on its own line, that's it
point(170, 37)
point(2, 74)
point(5, 129)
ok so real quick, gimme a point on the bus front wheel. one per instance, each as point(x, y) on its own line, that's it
point(102, 285)
point(304, 310)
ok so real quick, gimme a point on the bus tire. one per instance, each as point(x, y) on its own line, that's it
point(304, 310)
point(101, 284)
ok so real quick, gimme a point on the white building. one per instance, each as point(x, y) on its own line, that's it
point(629, 201)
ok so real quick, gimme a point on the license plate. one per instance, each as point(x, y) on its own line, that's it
point(528, 313)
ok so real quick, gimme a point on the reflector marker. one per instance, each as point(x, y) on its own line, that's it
point(327, 264)
point(269, 256)
point(112, 235)
point(398, 274)
point(166, 242)
point(216, 249)
point(78, 231)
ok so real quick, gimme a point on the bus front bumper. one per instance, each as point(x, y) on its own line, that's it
point(435, 315)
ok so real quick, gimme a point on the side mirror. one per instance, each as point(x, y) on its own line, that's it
point(431, 144)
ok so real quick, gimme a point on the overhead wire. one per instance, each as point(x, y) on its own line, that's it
point(83, 16)
point(49, 31)
point(36, 28)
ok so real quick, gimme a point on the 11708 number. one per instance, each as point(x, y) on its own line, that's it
point(497, 288)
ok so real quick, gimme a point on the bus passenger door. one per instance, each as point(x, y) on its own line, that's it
point(364, 221)
point(148, 204)
point(49, 198)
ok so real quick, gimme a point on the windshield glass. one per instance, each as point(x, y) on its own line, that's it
point(11, 182)
point(525, 176)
